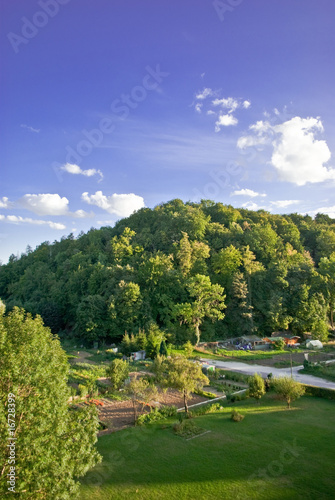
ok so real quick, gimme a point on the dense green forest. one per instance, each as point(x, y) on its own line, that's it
point(185, 268)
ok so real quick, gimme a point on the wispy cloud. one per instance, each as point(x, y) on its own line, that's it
point(284, 203)
point(206, 92)
point(71, 168)
point(31, 129)
point(17, 219)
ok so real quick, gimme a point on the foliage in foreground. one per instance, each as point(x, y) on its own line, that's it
point(55, 444)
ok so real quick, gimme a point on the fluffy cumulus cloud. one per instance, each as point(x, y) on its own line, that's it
point(246, 192)
point(45, 204)
point(17, 219)
point(71, 168)
point(121, 205)
point(49, 204)
point(225, 121)
point(298, 155)
point(4, 202)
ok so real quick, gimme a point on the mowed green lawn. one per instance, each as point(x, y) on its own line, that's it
point(273, 454)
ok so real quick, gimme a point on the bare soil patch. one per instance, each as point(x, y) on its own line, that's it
point(118, 415)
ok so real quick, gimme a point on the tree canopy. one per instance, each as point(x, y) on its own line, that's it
point(165, 266)
point(55, 443)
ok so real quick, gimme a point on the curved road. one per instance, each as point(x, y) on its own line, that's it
point(237, 366)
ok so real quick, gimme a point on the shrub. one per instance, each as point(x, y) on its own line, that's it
point(204, 409)
point(83, 390)
point(117, 372)
point(236, 416)
point(205, 394)
point(256, 387)
point(157, 414)
point(319, 392)
point(187, 428)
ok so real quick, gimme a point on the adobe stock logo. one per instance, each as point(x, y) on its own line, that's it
point(30, 28)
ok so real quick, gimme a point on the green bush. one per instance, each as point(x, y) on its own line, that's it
point(204, 409)
point(157, 414)
point(236, 416)
point(205, 394)
point(187, 429)
point(83, 390)
point(319, 392)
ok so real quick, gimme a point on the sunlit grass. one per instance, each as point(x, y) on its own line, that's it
point(246, 460)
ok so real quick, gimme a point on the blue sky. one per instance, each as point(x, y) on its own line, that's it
point(108, 106)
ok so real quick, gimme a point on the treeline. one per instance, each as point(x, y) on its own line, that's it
point(185, 268)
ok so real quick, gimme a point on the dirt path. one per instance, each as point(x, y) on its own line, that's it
point(82, 357)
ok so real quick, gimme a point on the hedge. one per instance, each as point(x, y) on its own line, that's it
point(319, 392)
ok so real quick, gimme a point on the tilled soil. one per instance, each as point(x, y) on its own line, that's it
point(118, 415)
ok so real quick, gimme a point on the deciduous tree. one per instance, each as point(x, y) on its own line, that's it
point(54, 443)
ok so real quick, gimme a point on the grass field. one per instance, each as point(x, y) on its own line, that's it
point(273, 454)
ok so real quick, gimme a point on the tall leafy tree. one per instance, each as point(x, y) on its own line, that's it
point(327, 269)
point(208, 301)
point(55, 444)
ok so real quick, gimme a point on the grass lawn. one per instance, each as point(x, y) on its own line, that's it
point(273, 454)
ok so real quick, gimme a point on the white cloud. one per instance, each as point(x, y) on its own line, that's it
point(121, 205)
point(262, 133)
point(225, 121)
point(45, 204)
point(284, 203)
point(204, 93)
point(31, 129)
point(229, 103)
point(246, 104)
point(298, 156)
point(325, 210)
point(4, 202)
point(17, 219)
point(198, 107)
point(246, 192)
point(250, 205)
point(210, 112)
point(71, 168)
point(49, 204)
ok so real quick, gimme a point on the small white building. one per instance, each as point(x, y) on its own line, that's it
point(138, 355)
point(314, 344)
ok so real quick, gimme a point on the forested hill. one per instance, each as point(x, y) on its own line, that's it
point(169, 265)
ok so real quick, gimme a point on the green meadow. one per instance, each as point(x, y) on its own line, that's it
point(273, 454)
